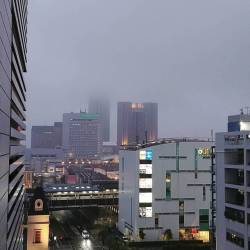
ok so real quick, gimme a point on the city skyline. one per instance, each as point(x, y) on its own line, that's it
point(111, 115)
point(143, 53)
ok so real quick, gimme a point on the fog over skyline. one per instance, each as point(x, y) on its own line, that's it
point(191, 57)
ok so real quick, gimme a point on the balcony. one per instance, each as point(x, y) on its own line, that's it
point(235, 215)
point(234, 156)
point(248, 199)
point(234, 176)
point(234, 196)
point(234, 140)
point(248, 157)
point(248, 178)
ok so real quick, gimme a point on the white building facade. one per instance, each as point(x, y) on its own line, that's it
point(233, 190)
point(165, 190)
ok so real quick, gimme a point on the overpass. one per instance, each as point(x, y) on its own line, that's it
point(62, 196)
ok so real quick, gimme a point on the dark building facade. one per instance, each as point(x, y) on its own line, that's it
point(136, 122)
point(46, 136)
point(101, 107)
point(13, 39)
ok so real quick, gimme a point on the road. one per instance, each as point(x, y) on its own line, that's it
point(67, 228)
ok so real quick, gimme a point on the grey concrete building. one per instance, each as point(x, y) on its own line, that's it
point(233, 189)
point(239, 122)
point(13, 39)
point(101, 107)
point(136, 122)
point(82, 137)
point(46, 136)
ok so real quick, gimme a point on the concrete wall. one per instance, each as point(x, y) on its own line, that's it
point(38, 222)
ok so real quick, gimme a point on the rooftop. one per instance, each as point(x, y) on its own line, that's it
point(135, 147)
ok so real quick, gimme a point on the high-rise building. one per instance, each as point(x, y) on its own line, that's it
point(101, 107)
point(136, 122)
point(13, 39)
point(233, 185)
point(46, 136)
point(82, 135)
point(239, 122)
point(165, 190)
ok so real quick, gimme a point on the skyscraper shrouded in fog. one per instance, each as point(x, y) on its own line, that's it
point(82, 135)
point(101, 106)
point(13, 40)
point(136, 122)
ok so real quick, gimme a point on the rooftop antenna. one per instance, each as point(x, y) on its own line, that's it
point(212, 135)
point(247, 108)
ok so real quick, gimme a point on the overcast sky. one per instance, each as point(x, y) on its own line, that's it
point(190, 56)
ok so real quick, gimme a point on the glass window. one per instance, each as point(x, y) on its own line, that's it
point(235, 238)
point(204, 219)
point(204, 192)
point(235, 214)
point(156, 221)
point(181, 213)
point(37, 236)
point(168, 185)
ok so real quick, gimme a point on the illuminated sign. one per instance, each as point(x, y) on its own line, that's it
point(145, 198)
point(88, 116)
point(149, 155)
point(145, 168)
point(204, 152)
point(142, 155)
point(145, 212)
point(244, 126)
point(137, 106)
point(145, 183)
point(146, 155)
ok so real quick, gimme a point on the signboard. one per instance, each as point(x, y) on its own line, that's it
point(205, 153)
point(145, 212)
point(145, 168)
point(146, 155)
